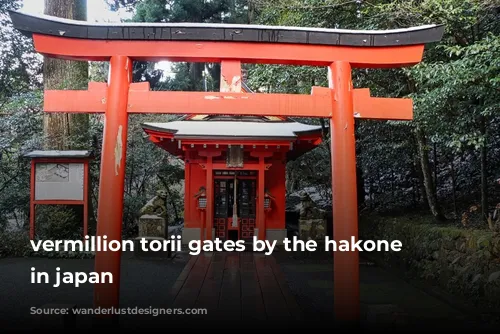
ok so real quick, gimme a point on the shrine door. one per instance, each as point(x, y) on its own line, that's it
point(235, 221)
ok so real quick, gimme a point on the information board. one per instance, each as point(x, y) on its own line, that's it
point(59, 181)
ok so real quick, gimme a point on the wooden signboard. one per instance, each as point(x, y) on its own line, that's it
point(59, 177)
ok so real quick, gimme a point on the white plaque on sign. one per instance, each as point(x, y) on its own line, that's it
point(59, 181)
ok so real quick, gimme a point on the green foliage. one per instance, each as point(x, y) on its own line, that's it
point(455, 91)
point(58, 222)
point(468, 81)
point(15, 244)
point(461, 261)
point(187, 76)
point(145, 163)
point(19, 66)
point(151, 11)
point(20, 129)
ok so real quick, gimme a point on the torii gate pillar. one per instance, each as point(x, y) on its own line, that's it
point(112, 180)
point(345, 204)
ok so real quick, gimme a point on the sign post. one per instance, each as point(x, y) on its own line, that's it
point(59, 178)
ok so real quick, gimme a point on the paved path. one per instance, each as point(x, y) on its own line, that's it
point(386, 300)
point(286, 287)
point(144, 283)
point(236, 287)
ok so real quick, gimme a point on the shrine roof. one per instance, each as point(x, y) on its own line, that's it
point(51, 25)
point(58, 154)
point(245, 127)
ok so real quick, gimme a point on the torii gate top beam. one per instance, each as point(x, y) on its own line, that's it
point(198, 42)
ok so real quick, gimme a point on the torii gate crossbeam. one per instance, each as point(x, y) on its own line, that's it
point(121, 44)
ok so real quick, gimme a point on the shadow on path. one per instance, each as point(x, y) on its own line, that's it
point(386, 300)
point(144, 283)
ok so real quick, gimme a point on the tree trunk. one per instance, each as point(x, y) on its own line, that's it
point(65, 131)
point(484, 171)
point(196, 72)
point(251, 12)
point(360, 184)
point(427, 175)
point(420, 178)
point(454, 186)
point(434, 151)
point(214, 70)
point(393, 188)
point(360, 180)
point(170, 196)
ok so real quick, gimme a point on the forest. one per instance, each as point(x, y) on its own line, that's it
point(443, 166)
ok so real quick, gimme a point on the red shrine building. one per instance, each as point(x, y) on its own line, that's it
point(234, 171)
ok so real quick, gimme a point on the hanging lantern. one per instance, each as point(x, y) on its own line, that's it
point(202, 202)
point(267, 200)
point(202, 198)
point(267, 203)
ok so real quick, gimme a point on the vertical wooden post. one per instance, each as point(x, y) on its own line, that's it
point(261, 218)
point(230, 82)
point(230, 76)
point(210, 198)
point(202, 225)
point(345, 207)
point(32, 201)
point(189, 210)
point(112, 180)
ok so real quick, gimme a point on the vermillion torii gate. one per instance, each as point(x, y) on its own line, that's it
point(121, 44)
